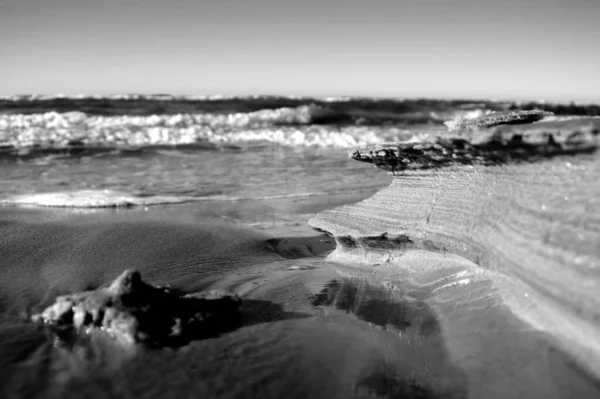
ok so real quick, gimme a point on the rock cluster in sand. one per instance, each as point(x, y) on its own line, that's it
point(487, 147)
point(133, 311)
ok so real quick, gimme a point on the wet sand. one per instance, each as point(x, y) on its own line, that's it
point(310, 327)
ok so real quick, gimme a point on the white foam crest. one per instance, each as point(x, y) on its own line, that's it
point(285, 126)
point(303, 114)
point(457, 120)
point(91, 199)
point(120, 199)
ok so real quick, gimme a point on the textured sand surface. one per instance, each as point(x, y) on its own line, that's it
point(521, 202)
point(309, 327)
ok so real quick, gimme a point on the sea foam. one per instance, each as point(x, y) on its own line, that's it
point(53, 131)
point(121, 199)
point(91, 199)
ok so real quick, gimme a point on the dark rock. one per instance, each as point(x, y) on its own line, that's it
point(76, 143)
point(487, 147)
point(498, 118)
point(133, 311)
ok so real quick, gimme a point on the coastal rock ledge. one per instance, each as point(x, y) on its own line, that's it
point(521, 201)
point(132, 311)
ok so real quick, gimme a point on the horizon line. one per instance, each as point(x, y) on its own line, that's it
point(332, 98)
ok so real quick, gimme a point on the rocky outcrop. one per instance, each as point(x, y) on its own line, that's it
point(498, 118)
point(486, 147)
point(132, 311)
point(517, 200)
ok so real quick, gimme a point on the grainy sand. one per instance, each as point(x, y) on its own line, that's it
point(310, 328)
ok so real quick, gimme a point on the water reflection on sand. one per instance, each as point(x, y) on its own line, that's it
point(415, 363)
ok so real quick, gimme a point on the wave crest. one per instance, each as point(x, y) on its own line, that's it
point(307, 125)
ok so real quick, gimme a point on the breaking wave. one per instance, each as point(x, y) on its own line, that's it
point(22, 134)
point(79, 124)
point(91, 199)
point(120, 199)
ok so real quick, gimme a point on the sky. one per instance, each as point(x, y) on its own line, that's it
point(509, 49)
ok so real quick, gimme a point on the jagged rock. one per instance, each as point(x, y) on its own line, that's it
point(133, 311)
point(497, 118)
point(489, 147)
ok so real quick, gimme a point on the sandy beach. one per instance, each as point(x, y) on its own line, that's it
point(253, 252)
point(284, 347)
point(310, 327)
point(268, 199)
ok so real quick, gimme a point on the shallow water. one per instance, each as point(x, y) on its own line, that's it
point(257, 173)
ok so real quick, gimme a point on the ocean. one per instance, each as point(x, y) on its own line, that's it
point(215, 193)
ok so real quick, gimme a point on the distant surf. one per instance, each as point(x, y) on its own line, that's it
point(23, 134)
point(32, 125)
